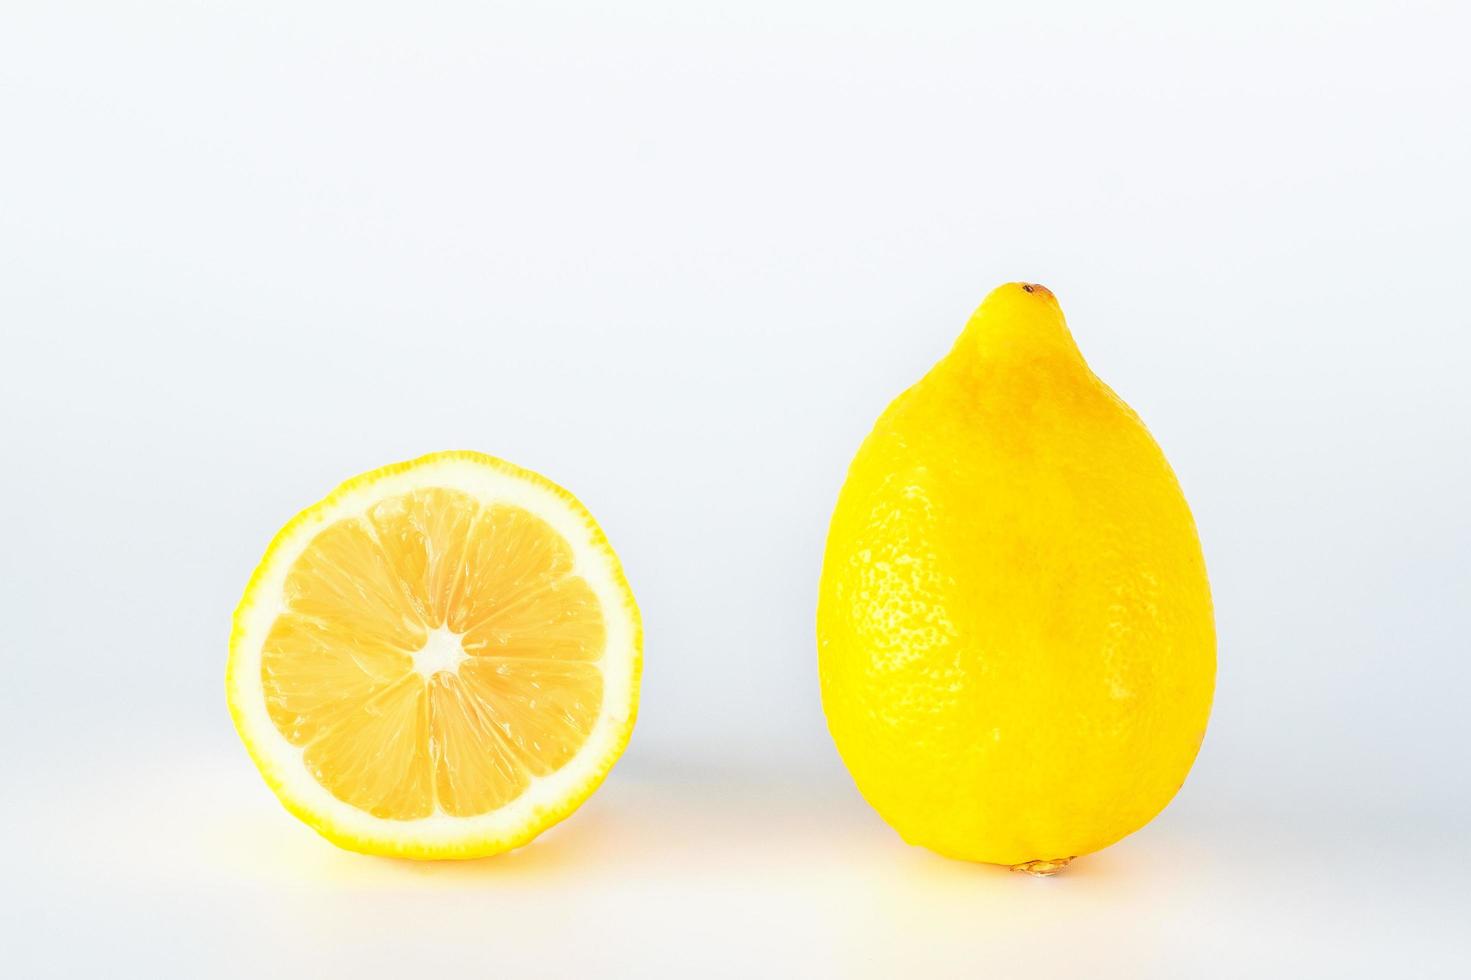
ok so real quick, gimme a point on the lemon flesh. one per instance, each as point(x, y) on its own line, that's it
point(440, 659)
point(1015, 637)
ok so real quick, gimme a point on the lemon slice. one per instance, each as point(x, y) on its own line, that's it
point(439, 660)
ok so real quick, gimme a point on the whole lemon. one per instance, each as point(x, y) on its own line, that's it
point(1015, 635)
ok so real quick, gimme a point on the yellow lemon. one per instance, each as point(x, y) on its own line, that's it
point(1015, 637)
point(440, 659)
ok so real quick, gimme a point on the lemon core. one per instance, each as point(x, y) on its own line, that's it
point(442, 651)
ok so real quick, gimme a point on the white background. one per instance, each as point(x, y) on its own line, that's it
point(678, 258)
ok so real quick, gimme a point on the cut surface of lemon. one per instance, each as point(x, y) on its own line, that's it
point(439, 660)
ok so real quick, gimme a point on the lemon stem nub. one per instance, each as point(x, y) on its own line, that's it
point(1043, 868)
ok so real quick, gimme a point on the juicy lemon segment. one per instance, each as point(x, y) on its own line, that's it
point(440, 659)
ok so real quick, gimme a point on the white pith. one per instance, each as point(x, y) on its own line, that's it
point(443, 650)
point(546, 799)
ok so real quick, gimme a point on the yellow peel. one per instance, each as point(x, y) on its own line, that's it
point(1016, 642)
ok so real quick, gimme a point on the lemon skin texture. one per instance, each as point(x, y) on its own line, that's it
point(1015, 638)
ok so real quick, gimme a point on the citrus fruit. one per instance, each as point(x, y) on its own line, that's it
point(438, 660)
point(1015, 636)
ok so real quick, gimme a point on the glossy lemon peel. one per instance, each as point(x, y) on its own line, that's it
point(1015, 632)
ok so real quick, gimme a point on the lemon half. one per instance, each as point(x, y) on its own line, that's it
point(440, 659)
